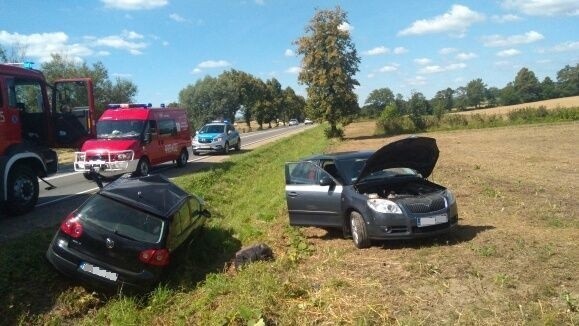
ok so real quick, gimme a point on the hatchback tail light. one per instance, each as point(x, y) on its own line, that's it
point(71, 226)
point(157, 257)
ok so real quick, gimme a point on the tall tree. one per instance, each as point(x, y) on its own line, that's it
point(509, 95)
point(418, 107)
point(568, 80)
point(329, 64)
point(475, 92)
point(548, 89)
point(378, 100)
point(527, 86)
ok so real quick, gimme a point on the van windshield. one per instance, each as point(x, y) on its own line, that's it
point(120, 129)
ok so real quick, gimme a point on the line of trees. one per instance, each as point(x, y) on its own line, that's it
point(236, 92)
point(525, 88)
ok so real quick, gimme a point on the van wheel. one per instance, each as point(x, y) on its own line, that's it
point(22, 190)
point(226, 148)
point(143, 167)
point(183, 158)
point(359, 233)
point(238, 145)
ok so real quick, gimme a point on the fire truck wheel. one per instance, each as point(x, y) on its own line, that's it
point(22, 190)
point(183, 158)
point(143, 167)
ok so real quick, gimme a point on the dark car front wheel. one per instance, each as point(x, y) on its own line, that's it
point(226, 149)
point(143, 167)
point(359, 233)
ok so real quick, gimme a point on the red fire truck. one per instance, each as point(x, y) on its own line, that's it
point(35, 118)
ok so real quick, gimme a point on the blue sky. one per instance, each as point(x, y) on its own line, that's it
point(164, 45)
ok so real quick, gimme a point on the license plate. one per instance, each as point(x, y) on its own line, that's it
point(95, 270)
point(204, 147)
point(433, 220)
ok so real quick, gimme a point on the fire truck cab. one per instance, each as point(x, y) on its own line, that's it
point(130, 138)
point(35, 118)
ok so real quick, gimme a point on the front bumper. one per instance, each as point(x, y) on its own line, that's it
point(208, 147)
point(68, 262)
point(408, 226)
point(105, 165)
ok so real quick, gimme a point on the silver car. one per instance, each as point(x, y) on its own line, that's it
point(372, 195)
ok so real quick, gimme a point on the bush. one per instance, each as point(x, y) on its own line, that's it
point(396, 126)
point(334, 133)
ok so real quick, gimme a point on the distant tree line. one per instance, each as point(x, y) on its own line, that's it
point(525, 88)
point(238, 93)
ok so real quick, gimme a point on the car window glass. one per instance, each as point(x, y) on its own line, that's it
point(167, 127)
point(351, 168)
point(180, 227)
point(122, 219)
point(304, 173)
point(195, 206)
point(331, 168)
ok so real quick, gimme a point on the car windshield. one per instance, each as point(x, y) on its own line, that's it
point(120, 129)
point(121, 219)
point(351, 169)
point(212, 129)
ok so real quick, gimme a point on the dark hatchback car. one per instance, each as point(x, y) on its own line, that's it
point(127, 232)
point(372, 195)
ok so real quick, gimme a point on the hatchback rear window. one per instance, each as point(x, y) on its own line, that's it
point(122, 220)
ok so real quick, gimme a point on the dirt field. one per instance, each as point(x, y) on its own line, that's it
point(513, 260)
point(564, 102)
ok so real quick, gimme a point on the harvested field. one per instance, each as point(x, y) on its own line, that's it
point(513, 260)
point(565, 102)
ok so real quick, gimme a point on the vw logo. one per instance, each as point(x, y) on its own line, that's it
point(110, 243)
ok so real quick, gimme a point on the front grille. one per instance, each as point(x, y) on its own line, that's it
point(425, 205)
point(205, 140)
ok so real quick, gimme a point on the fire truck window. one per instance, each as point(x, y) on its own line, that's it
point(167, 127)
point(28, 96)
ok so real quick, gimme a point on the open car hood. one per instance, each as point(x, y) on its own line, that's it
point(417, 153)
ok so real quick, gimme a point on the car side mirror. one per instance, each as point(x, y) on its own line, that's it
point(327, 181)
point(229, 132)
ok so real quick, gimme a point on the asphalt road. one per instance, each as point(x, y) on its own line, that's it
point(72, 188)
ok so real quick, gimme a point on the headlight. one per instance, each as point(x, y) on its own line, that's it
point(450, 197)
point(195, 139)
point(384, 206)
point(217, 139)
point(125, 156)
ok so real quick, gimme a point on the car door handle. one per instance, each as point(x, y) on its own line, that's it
point(292, 194)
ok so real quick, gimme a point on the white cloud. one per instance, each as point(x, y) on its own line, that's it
point(563, 47)
point(502, 63)
point(134, 4)
point(120, 43)
point(122, 75)
point(377, 51)
point(455, 22)
point(345, 27)
point(389, 68)
point(463, 56)
point(508, 53)
point(544, 7)
point(196, 71)
point(42, 45)
point(178, 18)
point(213, 64)
point(445, 51)
point(260, 2)
point(370, 75)
point(422, 61)
point(131, 35)
point(416, 81)
point(498, 40)
point(400, 50)
point(505, 18)
point(289, 53)
point(103, 53)
point(293, 70)
point(438, 69)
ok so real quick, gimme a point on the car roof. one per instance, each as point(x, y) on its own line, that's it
point(154, 194)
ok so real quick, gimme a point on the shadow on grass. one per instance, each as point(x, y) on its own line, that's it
point(461, 233)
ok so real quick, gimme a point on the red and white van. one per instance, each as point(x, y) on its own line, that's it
point(134, 137)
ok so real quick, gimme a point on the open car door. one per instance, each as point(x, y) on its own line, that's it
point(313, 196)
point(73, 112)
